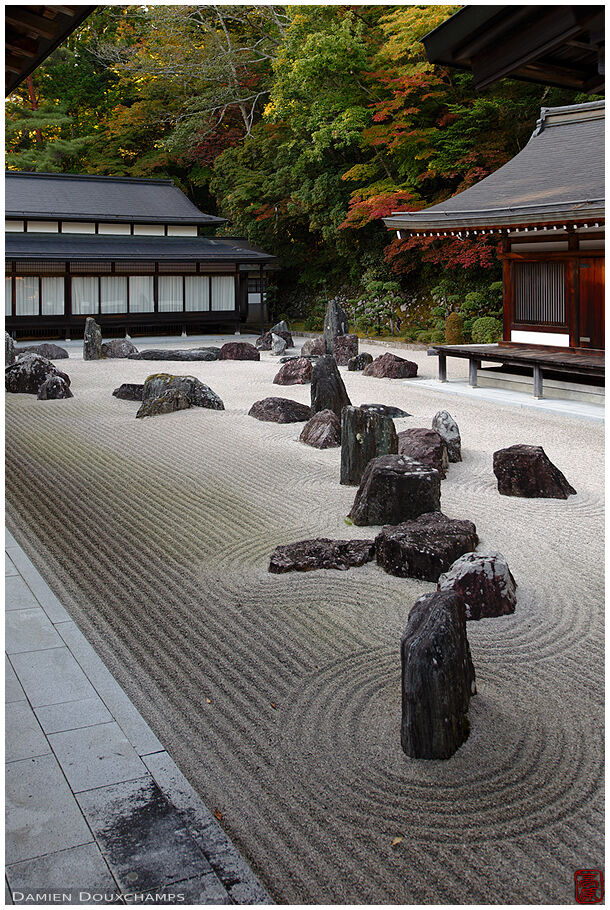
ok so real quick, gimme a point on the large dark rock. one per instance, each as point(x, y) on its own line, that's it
point(386, 410)
point(335, 323)
point(425, 446)
point(280, 410)
point(46, 349)
point(313, 347)
point(294, 372)
point(118, 348)
point(192, 354)
point(265, 342)
point(239, 350)
point(166, 403)
point(448, 430)
point(323, 431)
point(425, 547)
point(9, 350)
point(198, 394)
point(484, 582)
point(53, 388)
point(359, 362)
point(438, 677)
point(364, 435)
point(29, 372)
point(92, 340)
point(393, 489)
point(327, 388)
point(321, 553)
point(345, 348)
point(129, 391)
point(527, 471)
point(390, 366)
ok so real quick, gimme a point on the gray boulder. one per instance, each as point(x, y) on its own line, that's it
point(425, 547)
point(448, 430)
point(345, 348)
point(9, 350)
point(166, 403)
point(313, 347)
point(335, 323)
point(394, 489)
point(281, 327)
point(92, 340)
point(265, 342)
point(118, 348)
point(323, 431)
point(29, 372)
point(425, 446)
point(359, 362)
point(484, 582)
point(280, 410)
point(528, 471)
point(321, 553)
point(129, 391)
point(53, 388)
point(192, 354)
point(364, 435)
point(327, 388)
point(46, 349)
point(438, 677)
point(296, 371)
point(198, 394)
point(278, 345)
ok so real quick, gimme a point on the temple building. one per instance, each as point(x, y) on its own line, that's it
point(130, 252)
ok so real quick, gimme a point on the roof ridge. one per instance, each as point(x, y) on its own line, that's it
point(167, 181)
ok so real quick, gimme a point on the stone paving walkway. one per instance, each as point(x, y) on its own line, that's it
point(95, 806)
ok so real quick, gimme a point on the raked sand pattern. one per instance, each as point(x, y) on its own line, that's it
point(279, 696)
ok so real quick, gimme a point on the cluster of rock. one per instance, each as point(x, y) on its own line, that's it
point(46, 349)
point(277, 344)
point(163, 393)
point(32, 374)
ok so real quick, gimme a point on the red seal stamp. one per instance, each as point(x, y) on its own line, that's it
point(589, 886)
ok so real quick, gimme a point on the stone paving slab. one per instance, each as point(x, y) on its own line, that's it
point(97, 810)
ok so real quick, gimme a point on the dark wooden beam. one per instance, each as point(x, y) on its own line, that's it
point(30, 22)
point(25, 46)
point(14, 64)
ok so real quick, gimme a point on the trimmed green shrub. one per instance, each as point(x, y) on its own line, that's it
point(486, 330)
point(424, 337)
point(437, 336)
point(454, 328)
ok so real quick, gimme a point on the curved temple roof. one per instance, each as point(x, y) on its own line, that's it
point(559, 175)
point(83, 197)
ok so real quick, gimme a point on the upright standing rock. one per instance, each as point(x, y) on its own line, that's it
point(426, 446)
point(327, 388)
point(92, 340)
point(9, 350)
point(448, 430)
point(394, 489)
point(438, 677)
point(335, 323)
point(278, 344)
point(364, 435)
point(484, 582)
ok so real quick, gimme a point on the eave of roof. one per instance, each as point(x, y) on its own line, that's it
point(108, 246)
point(544, 184)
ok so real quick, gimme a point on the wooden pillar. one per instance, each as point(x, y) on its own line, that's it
point(442, 367)
point(507, 289)
point(473, 367)
point(537, 381)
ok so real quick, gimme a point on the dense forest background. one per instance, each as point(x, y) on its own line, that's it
point(302, 125)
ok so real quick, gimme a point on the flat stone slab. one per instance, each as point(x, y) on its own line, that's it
point(425, 547)
point(393, 489)
point(484, 582)
point(191, 354)
point(321, 553)
point(527, 471)
point(385, 410)
point(280, 410)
